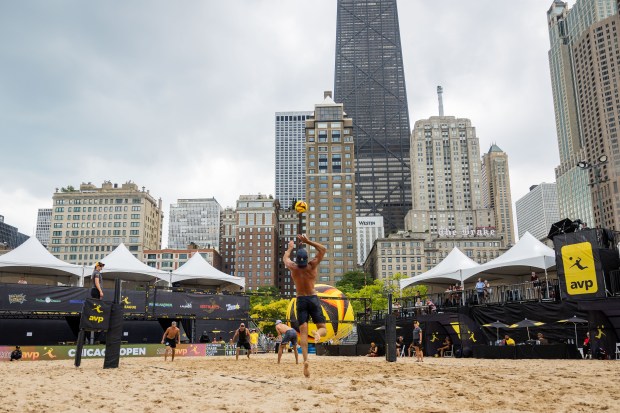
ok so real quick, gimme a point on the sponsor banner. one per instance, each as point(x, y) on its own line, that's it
point(24, 297)
point(35, 353)
point(214, 306)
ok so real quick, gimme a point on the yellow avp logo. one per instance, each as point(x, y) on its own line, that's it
point(579, 270)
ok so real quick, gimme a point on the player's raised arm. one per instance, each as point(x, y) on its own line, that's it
point(320, 248)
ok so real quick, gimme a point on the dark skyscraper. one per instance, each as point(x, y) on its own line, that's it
point(370, 82)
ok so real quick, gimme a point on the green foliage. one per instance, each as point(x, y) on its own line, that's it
point(353, 281)
point(263, 295)
point(269, 313)
point(375, 292)
point(69, 188)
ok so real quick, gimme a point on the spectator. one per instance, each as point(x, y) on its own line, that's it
point(446, 345)
point(480, 291)
point(432, 309)
point(204, 338)
point(22, 280)
point(586, 346)
point(508, 341)
point(16, 354)
point(254, 341)
point(417, 341)
point(418, 306)
point(400, 345)
point(373, 351)
point(541, 339)
point(487, 290)
point(535, 284)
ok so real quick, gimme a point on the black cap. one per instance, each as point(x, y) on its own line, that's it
point(301, 258)
point(99, 263)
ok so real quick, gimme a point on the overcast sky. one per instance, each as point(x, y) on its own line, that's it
point(180, 97)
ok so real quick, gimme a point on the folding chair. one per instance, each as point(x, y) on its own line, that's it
point(449, 353)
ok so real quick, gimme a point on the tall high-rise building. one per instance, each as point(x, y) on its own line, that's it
point(256, 245)
point(446, 178)
point(228, 239)
point(370, 82)
point(290, 157)
point(288, 224)
point(577, 90)
point(88, 223)
point(496, 193)
point(538, 210)
point(330, 187)
point(194, 221)
point(368, 230)
point(44, 223)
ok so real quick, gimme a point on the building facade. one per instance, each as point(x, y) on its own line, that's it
point(330, 188)
point(256, 244)
point(10, 237)
point(370, 82)
point(409, 254)
point(446, 179)
point(228, 240)
point(90, 222)
point(194, 221)
point(290, 157)
point(566, 27)
point(170, 259)
point(496, 192)
point(538, 210)
point(44, 223)
point(368, 230)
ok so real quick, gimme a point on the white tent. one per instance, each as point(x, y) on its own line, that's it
point(121, 263)
point(198, 271)
point(447, 272)
point(526, 254)
point(32, 258)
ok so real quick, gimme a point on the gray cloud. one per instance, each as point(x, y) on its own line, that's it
point(180, 97)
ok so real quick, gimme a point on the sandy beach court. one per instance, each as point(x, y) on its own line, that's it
point(337, 384)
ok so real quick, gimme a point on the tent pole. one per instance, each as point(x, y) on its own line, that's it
point(462, 288)
point(547, 283)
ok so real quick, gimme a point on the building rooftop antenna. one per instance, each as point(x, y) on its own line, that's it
point(440, 98)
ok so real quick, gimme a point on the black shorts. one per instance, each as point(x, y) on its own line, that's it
point(94, 293)
point(290, 336)
point(172, 342)
point(309, 306)
point(245, 345)
point(416, 343)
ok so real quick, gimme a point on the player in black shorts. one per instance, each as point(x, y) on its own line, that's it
point(171, 337)
point(288, 335)
point(242, 335)
point(304, 274)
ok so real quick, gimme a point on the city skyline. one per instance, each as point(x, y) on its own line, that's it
point(101, 98)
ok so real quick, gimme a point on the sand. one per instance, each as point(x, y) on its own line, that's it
point(337, 384)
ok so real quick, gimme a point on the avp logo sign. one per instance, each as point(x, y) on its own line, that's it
point(127, 305)
point(579, 270)
point(96, 318)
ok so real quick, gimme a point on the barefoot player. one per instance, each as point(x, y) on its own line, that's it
point(288, 335)
point(171, 338)
point(304, 275)
point(242, 335)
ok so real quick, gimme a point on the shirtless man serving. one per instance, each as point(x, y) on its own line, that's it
point(304, 275)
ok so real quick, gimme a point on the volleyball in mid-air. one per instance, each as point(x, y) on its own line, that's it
point(337, 310)
point(301, 207)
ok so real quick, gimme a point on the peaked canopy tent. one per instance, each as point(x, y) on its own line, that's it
point(527, 254)
point(121, 264)
point(447, 272)
point(33, 260)
point(197, 271)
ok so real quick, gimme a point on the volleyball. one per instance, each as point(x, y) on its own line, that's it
point(301, 207)
point(337, 310)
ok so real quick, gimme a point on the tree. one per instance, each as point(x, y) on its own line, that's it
point(353, 281)
point(263, 295)
point(267, 314)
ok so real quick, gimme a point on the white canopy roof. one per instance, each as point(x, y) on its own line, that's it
point(198, 271)
point(33, 258)
point(121, 263)
point(448, 271)
point(526, 254)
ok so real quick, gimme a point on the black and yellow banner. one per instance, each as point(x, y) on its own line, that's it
point(95, 315)
point(579, 266)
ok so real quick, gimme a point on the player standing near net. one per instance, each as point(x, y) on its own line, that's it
point(304, 275)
